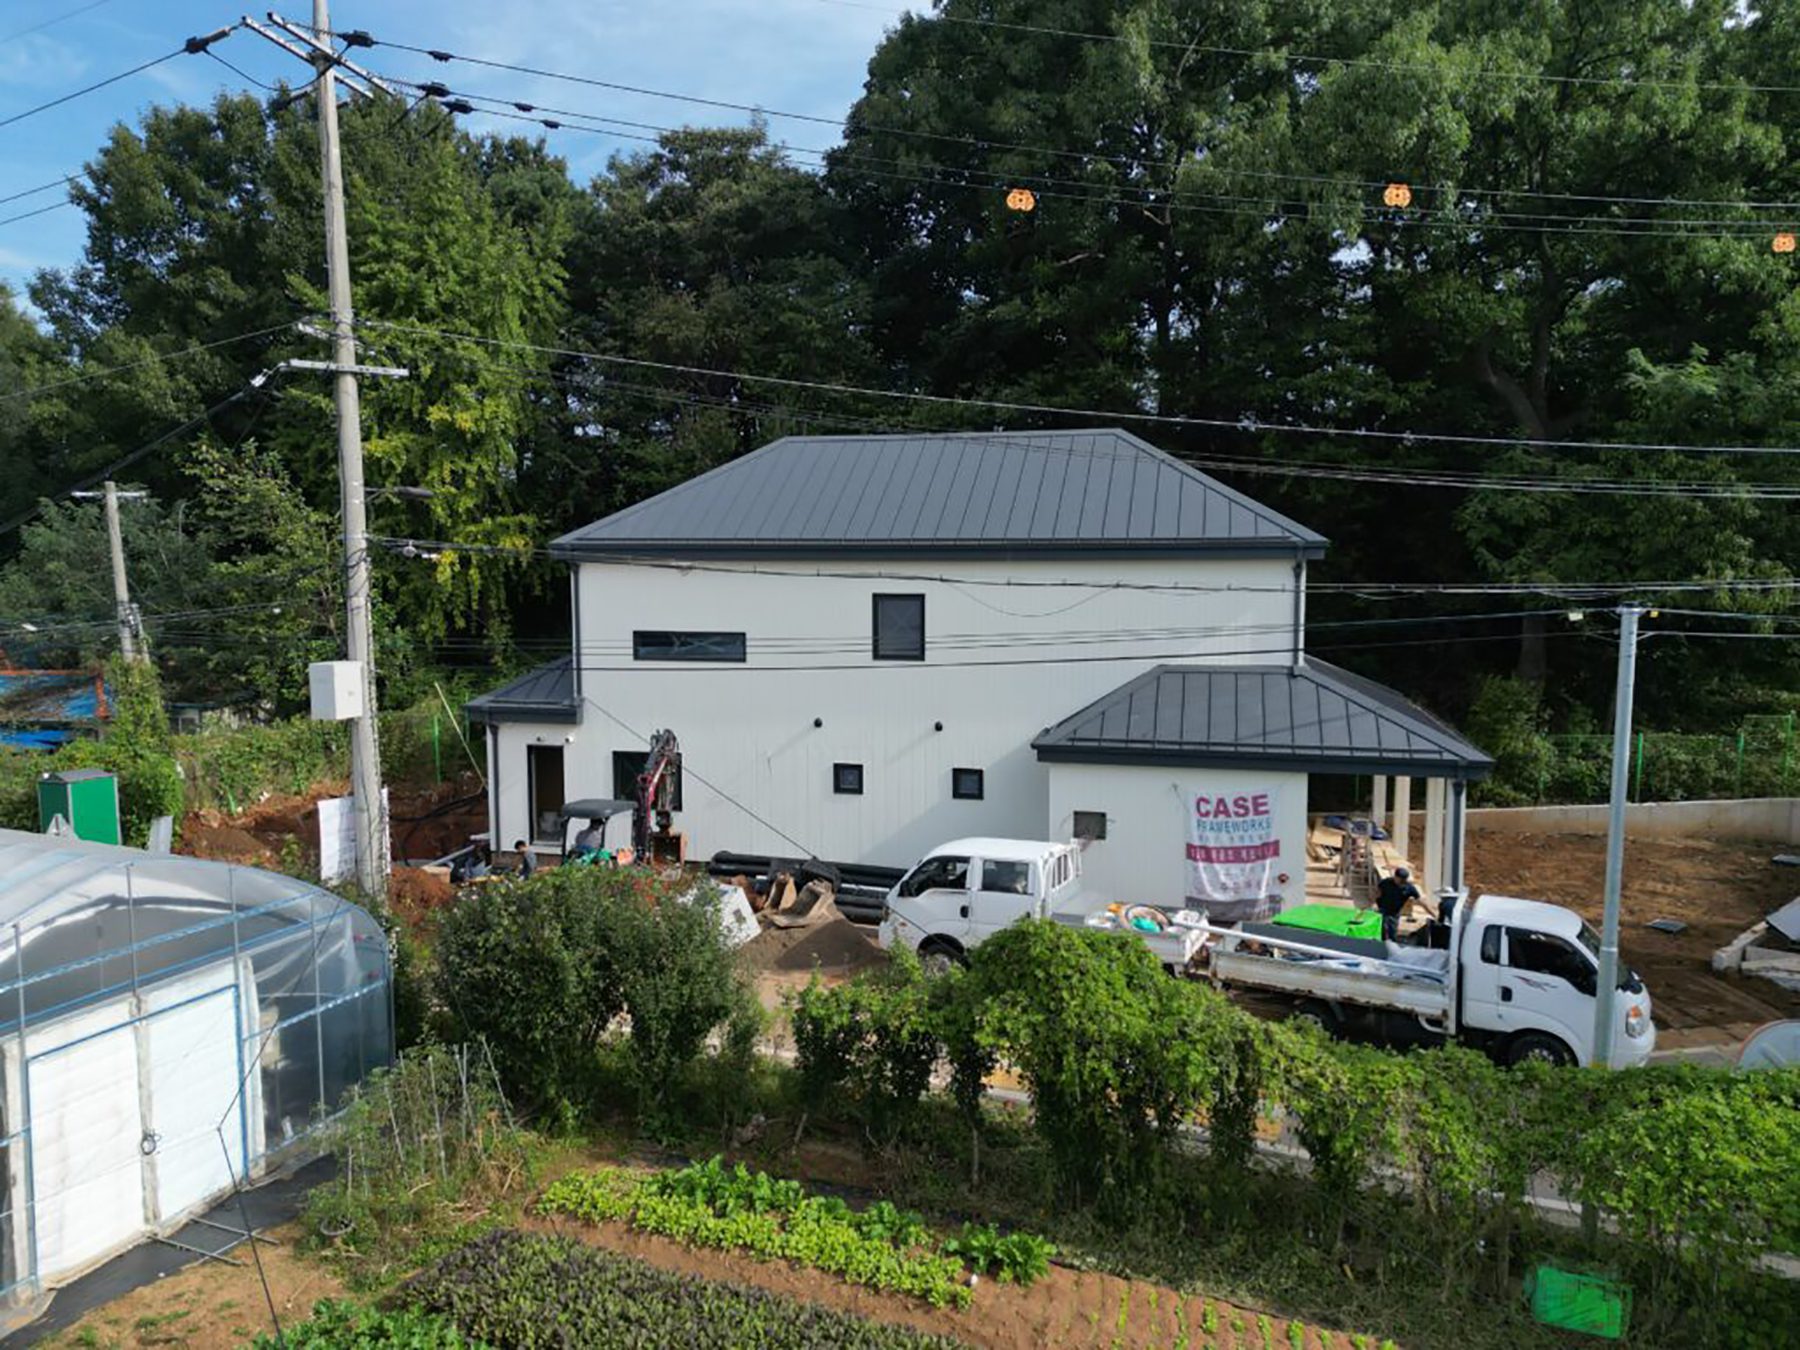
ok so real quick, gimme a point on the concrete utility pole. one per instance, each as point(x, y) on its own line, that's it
point(365, 752)
point(128, 622)
point(1607, 995)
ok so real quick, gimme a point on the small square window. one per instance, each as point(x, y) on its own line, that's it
point(899, 628)
point(847, 779)
point(968, 785)
point(1090, 824)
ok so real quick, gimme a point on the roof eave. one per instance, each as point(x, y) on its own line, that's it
point(1197, 757)
point(568, 549)
point(494, 712)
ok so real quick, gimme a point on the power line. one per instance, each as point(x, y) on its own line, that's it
point(98, 84)
point(106, 372)
point(1244, 423)
point(52, 22)
point(1354, 62)
point(42, 187)
point(1175, 198)
point(41, 211)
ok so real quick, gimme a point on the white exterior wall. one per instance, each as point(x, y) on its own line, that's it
point(1143, 859)
point(747, 731)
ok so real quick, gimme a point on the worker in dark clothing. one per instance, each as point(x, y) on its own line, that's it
point(1392, 897)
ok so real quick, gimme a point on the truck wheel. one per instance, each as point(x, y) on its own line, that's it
point(939, 954)
point(1316, 1014)
point(1538, 1047)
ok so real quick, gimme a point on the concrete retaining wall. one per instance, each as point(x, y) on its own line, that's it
point(1774, 819)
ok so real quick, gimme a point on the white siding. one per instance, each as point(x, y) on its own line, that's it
point(1002, 663)
point(1143, 857)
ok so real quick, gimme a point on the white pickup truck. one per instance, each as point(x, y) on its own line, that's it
point(1515, 978)
point(969, 889)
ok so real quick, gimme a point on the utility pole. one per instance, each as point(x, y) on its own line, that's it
point(129, 647)
point(1607, 995)
point(365, 752)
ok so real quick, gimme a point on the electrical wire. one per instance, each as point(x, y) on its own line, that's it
point(52, 22)
point(41, 211)
point(107, 372)
point(88, 89)
point(1167, 198)
point(1350, 62)
point(1242, 423)
point(42, 187)
point(987, 144)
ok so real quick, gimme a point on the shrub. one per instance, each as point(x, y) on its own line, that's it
point(520, 1292)
point(339, 1325)
point(136, 746)
point(877, 1037)
point(529, 967)
point(1506, 720)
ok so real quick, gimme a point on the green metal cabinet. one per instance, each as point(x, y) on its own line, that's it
point(87, 798)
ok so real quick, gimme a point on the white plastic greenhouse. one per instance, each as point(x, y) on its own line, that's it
point(168, 1027)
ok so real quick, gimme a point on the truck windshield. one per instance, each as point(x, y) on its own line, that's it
point(1590, 942)
point(937, 874)
point(1629, 979)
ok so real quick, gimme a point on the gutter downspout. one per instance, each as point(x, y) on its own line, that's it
point(1299, 653)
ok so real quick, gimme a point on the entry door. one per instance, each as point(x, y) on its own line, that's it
point(87, 1131)
point(544, 771)
point(1003, 896)
point(190, 1062)
point(1483, 974)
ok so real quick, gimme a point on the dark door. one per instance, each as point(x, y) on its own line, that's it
point(544, 770)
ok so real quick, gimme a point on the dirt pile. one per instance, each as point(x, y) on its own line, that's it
point(835, 947)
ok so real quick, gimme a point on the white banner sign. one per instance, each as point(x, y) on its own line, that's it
point(1233, 852)
point(337, 837)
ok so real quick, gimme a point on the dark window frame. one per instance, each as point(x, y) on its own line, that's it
point(838, 780)
point(640, 638)
point(956, 785)
point(875, 647)
point(1096, 836)
point(630, 763)
point(918, 881)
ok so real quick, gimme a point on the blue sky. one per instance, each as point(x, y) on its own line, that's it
point(805, 56)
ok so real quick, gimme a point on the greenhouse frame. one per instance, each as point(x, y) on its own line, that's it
point(170, 1028)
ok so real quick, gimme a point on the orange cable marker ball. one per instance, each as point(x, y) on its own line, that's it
point(1397, 194)
point(1021, 199)
point(1783, 242)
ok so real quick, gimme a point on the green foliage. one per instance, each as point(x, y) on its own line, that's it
point(541, 969)
point(137, 747)
point(1016, 1258)
point(337, 1324)
point(526, 1292)
point(711, 1205)
point(432, 1129)
point(870, 1044)
point(1506, 720)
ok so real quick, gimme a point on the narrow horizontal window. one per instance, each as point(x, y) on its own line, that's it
point(968, 785)
point(1090, 824)
point(659, 646)
point(847, 779)
point(899, 628)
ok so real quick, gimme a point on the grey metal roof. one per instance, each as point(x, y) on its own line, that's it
point(956, 492)
point(547, 694)
point(1314, 718)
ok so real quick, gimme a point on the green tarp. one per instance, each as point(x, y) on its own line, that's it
point(1339, 919)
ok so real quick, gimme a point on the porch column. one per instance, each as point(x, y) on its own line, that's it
point(1434, 835)
point(1457, 845)
point(1378, 807)
point(1402, 827)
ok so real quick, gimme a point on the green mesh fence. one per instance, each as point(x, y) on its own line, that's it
point(1761, 759)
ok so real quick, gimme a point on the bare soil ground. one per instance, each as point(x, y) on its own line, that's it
point(1067, 1308)
point(425, 823)
point(1717, 888)
point(208, 1306)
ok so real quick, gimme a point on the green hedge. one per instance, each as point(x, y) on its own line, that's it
point(515, 1291)
point(1692, 1168)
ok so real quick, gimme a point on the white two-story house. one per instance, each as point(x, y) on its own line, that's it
point(868, 645)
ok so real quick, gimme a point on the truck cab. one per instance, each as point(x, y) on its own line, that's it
point(965, 891)
point(1528, 978)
